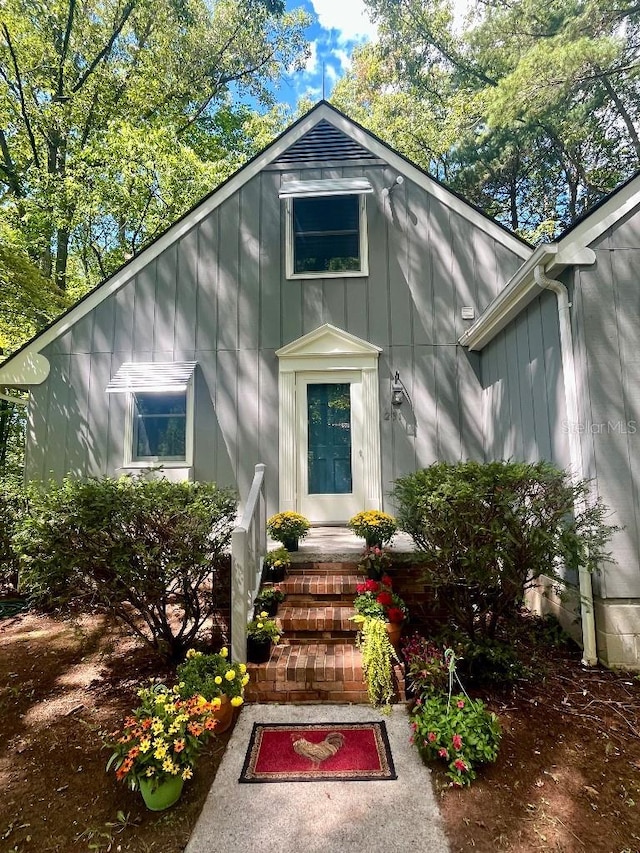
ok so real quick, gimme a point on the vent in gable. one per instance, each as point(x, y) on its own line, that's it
point(324, 142)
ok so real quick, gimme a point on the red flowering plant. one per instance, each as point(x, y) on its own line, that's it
point(162, 738)
point(378, 600)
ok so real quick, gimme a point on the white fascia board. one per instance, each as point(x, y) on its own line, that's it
point(428, 184)
point(26, 368)
point(522, 289)
point(516, 294)
point(595, 224)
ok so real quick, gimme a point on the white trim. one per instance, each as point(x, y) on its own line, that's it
point(325, 187)
point(155, 376)
point(154, 462)
point(364, 246)
point(607, 214)
point(329, 350)
point(12, 374)
point(519, 291)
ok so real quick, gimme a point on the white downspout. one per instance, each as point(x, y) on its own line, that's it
point(589, 652)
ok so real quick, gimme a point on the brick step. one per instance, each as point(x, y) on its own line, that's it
point(315, 618)
point(320, 585)
point(318, 569)
point(313, 672)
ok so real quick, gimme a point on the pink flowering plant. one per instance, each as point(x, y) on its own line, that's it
point(425, 668)
point(457, 730)
point(374, 562)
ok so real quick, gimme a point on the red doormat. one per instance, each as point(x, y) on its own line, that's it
point(321, 752)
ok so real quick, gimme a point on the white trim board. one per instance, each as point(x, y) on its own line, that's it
point(14, 371)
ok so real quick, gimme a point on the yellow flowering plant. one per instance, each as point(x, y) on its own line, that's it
point(373, 525)
point(212, 676)
point(262, 629)
point(284, 526)
point(162, 738)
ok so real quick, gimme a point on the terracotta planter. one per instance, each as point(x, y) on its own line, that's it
point(165, 795)
point(394, 631)
point(224, 715)
point(257, 651)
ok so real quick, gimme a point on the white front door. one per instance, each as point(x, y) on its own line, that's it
point(329, 432)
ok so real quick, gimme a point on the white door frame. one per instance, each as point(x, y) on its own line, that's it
point(329, 351)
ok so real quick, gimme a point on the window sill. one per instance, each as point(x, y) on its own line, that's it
point(344, 274)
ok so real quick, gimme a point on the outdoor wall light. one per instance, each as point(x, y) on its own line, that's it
point(397, 391)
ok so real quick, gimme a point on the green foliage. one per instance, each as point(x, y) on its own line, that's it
point(377, 660)
point(143, 550)
point(116, 116)
point(13, 506)
point(425, 667)
point(532, 116)
point(374, 562)
point(211, 676)
point(269, 595)
point(376, 599)
point(489, 531)
point(277, 558)
point(457, 730)
point(373, 525)
point(262, 629)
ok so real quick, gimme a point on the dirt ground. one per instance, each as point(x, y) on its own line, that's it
point(567, 778)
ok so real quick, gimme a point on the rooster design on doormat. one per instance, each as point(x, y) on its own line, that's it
point(318, 752)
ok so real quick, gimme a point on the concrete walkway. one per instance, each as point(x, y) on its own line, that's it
point(320, 817)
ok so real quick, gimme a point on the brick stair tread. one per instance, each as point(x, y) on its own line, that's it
point(311, 662)
point(320, 569)
point(316, 618)
point(320, 585)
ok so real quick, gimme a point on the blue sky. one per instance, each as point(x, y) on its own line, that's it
point(339, 25)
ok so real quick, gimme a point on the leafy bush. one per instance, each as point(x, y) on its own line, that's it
point(144, 550)
point(489, 531)
point(13, 505)
point(457, 730)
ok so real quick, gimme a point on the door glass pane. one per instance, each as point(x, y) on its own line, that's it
point(329, 437)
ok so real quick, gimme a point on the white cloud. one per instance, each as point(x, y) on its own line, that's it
point(343, 57)
point(349, 17)
point(311, 66)
point(330, 73)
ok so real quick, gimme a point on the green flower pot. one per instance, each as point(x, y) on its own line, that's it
point(164, 796)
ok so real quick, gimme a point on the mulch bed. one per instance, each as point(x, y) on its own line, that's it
point(567, 777)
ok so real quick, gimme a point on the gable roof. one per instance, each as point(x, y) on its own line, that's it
point(27, 367)
point(570, 248)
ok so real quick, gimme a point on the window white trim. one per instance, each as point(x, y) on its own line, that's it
point(154, 462)
point(364, 242)
point(325, 187)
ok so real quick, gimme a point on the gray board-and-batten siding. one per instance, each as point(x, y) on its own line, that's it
point(219, 296)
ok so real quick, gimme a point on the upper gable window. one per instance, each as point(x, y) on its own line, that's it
point(326, 228)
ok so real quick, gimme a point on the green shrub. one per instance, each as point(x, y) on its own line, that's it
point(489, 531)
point(457, 730)
point(13, 505)
point(144, 550)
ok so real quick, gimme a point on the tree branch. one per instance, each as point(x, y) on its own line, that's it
point(106, 50)
point(23, 105)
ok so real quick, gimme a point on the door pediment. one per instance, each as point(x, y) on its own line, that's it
point(328, 340)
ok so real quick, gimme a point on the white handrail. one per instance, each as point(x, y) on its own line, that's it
point(248, 547)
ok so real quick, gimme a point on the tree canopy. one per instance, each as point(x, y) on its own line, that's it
point(529, 109)
point(116, 116)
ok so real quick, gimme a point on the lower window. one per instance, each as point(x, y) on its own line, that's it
point(159, 427)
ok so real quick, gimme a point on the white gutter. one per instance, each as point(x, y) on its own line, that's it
point(589, 652)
